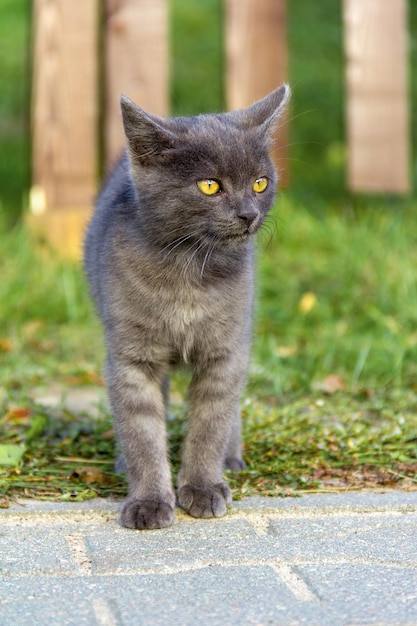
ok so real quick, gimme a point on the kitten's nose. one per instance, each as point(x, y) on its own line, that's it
point(248, 213)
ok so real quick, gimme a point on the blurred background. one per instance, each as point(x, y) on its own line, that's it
point(196, 74)
point(345, 239)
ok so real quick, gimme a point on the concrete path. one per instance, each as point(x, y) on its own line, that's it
point(329, 559)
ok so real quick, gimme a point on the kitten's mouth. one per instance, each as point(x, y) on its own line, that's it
point(245, 234)
point(234, 239)
point(237, 238)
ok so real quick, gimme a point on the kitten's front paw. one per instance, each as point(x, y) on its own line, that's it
point(146, 514)
point(207, 502)
point(234, 464)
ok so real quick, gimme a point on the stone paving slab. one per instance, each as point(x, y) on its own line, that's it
point(365, 594)
point(389, 538)
point(333, 560)
point(219, 596)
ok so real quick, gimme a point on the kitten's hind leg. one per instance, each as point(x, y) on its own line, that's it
point(138, 406)
point(233, 460)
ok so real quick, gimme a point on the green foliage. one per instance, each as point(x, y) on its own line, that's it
point(361, 270)
point(197, 56)
point(316, 72)
point(14, 106)
point(45, 315)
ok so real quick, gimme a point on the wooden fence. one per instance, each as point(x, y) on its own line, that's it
point(377, 95)
point(65, 107)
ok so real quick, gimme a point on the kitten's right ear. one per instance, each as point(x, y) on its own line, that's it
point(266, 112)
point(145, 133)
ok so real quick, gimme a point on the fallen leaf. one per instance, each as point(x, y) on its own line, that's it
point(85, 378)
point(330, 384)
point(286, 351)
point(17, 414)
point(408, 468)
point(5, 345)
point(364, 476)
point(10, 454)
point(32, 328)
point(109, 434)
point(307, 302)
point(91, 475)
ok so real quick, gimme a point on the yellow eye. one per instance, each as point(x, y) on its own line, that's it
point(209, 187)
point(260, 184)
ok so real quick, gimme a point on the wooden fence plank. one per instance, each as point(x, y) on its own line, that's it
point(377, 92)
point(64, 119)
point(136, 62)
point(256, 51)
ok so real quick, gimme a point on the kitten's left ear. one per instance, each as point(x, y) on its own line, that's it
point(266, 112)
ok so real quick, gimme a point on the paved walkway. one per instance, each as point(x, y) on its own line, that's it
point(328, 560)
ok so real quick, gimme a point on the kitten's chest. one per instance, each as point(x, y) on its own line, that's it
point(185, 325)
point(185, 309)
point(198, 321)
point(184, 318)
point(187, 314)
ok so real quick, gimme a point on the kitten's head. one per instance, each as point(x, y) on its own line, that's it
point(207, 180)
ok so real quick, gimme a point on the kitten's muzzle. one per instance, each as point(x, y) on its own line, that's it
point(248, 213)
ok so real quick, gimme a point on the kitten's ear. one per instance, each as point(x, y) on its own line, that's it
point(266, 112)
point(146, 135)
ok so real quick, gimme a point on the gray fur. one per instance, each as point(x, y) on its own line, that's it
point(171, 273)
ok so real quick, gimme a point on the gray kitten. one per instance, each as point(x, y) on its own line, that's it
point(169, 257)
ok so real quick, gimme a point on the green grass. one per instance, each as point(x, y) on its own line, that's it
point(331, 400)
point(301, 432)
point(361, 270)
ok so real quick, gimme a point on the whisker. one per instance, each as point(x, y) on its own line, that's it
point(303, 143)
point(177, 242)
point(267, 229)
point(294, 117)
point(210, 250)
point(302, 162)
point(183, 227)
point(280, 222)
point(199, 243)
